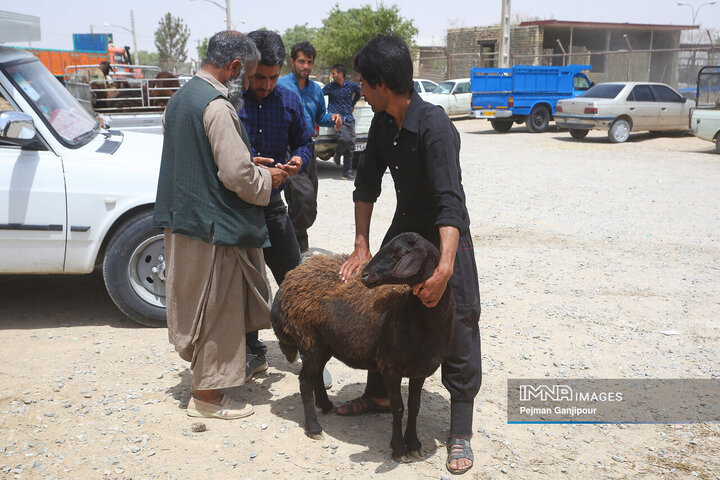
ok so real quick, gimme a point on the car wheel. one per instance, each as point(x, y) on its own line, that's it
point(717, 143)
point(134, 270)
point(501, 126)
point(578, 133)
point(619, 131)
point(538, 119)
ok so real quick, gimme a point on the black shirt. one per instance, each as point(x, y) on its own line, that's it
point(424, 160)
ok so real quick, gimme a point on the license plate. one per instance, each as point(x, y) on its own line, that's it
point(359, 147)
point(488, 114)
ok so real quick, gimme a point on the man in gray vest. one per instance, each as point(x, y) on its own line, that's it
point(210, 202)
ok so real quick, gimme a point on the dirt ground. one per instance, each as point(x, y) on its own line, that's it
point(596, 261)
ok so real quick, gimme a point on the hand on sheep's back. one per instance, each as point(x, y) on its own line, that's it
point(354, 263)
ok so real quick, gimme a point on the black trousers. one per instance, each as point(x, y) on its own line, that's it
point(462, 369)
point(301, 195)
point(346, 143)
point(281, 256)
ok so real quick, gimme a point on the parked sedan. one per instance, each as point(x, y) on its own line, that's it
point(453, 96)
point(422, 85)
point(624, 107)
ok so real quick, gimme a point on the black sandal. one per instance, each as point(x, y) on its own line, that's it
point(360, 406)
point(458, 448)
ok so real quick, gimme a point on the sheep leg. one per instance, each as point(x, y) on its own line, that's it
point(321, 397)
point(307, 377)
point(411, 438)
point(397, 444)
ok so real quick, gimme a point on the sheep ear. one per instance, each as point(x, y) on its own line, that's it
point(410, 264)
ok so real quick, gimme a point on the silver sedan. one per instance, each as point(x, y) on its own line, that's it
point(624, 107)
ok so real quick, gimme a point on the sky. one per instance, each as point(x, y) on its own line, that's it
point(59, 19)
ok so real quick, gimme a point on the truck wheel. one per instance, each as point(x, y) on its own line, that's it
point(538, 119)
point(501, 126)
point(578, 133)
point(134, 270)
point(619, 131)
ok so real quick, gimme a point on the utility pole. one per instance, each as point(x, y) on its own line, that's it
point(132, 26)
point(504, 35)
point(228, 17)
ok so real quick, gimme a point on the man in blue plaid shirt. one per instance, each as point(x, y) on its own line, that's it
point(274, 118)
point(342, 97)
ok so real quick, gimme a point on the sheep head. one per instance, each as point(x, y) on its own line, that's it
point(407, 259)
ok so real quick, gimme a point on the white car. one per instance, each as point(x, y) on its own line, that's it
point(422, 85)
point(74, 196)
point(453, 96)
point(624, 107)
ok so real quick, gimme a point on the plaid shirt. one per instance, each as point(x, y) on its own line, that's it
point(277, 126)
point(342, 98)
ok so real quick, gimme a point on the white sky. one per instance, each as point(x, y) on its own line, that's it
point(59, 19)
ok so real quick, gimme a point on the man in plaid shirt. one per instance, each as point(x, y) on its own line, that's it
point(274, 118)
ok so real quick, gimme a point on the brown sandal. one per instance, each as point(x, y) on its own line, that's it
point(360, 406)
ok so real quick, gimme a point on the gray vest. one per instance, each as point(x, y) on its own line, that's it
point(191, 200)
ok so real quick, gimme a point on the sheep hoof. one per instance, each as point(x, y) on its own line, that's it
point(402, 459)
point(415, 454)
point(316, 436)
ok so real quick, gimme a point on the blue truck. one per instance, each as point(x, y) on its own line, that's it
point(524, 93)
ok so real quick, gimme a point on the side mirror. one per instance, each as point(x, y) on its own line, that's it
point(684, 99)
point(17, 128)
point(592, 84)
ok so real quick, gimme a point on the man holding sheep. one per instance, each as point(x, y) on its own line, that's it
point(421, 147)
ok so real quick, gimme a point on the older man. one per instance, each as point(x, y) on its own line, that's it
point(209, 202)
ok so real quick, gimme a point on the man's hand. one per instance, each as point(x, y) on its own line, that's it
point(293, 166)
point(337, 118)
point(431, 290)
point(263, 161)
point(279, 176)
point(360, 255)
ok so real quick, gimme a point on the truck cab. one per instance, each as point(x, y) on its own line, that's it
point(705, 117)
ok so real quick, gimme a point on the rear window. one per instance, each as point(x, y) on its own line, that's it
point(606, 90)
point(665, 94)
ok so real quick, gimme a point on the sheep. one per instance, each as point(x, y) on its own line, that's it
point(383, 327)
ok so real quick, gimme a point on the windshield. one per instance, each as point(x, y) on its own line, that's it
point(444, 87)
point(604, 90)
point(71, 122)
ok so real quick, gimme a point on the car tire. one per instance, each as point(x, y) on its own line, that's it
point(501, 126)
point(717, 143)
point(619, 131)
point(538, 120)
point(134, 270)
point(579, 133)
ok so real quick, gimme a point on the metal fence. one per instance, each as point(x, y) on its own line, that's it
point(677, 67)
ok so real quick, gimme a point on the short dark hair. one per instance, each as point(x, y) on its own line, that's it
point(271, 46)
point(340, 68)
point(305, 47)
point(386, 59)
point(229, 45)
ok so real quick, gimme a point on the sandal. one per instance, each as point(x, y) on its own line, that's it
point(458, 448)
point(360, 406)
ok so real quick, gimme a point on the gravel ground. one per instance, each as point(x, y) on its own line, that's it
point(595, 260)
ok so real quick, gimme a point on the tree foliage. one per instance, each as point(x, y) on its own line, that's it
point(202, 49)
point(171, 39)
point(148, 58)
point(345, 32)
point(298, 33)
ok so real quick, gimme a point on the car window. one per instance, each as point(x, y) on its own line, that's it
point(416, 85)
point(604, 90)
point(429, 86)
point(641, 93)
point(444, 87)
point(580, 83)
point(463, 87)
point(665, 94)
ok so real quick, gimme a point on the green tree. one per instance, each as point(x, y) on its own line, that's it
point(298, 33)
point(148, 58)
point(345, 32)
point(202, 49)
point(171, 39)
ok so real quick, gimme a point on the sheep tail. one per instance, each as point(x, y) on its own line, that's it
point(279, 323)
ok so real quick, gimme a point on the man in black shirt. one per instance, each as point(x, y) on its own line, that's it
point(421, 147)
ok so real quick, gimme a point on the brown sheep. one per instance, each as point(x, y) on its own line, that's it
point(383, 327)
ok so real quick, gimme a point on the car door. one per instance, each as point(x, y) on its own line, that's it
point(642, 108)
point(672, 114)
point(32, 210)
point(461, 98)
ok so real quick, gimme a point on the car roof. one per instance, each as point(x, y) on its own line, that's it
point(10, 54)
point(633, 83)
point(456, 80)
